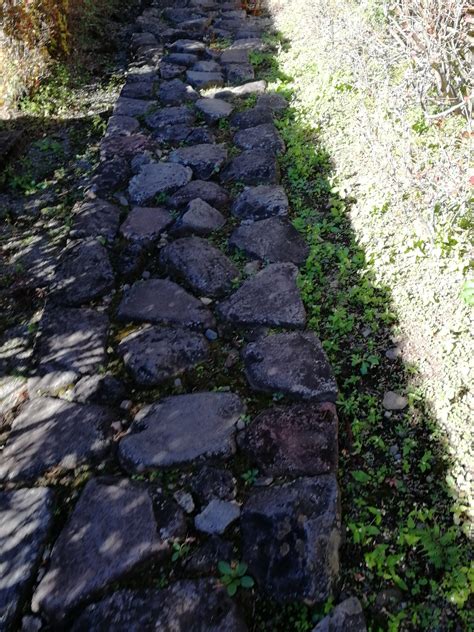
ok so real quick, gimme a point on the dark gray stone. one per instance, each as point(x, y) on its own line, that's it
point(171, 71)
point(160, 301)
point(272, 101)
point(203, 606)
point(200, 136)
point(256, 166)
point(200, 264)
point(292, 363)
point(131, 257)
point(153, 355)
point(84, 273)
point(203, 80)
point(156, 178)
point(295, 440)
point(204, 560)
point(52, 433)
point(270, 298)
point(346, 616)
point(211, 482)
point(192, 47)
point(72, 340)
point(248, 44)
point(210, 192)
point(138, 90)
point(26, 517)
point(264, 136)
point(146, 72)
point(181, 59)
point(111, 532)
point(181, 429)
point(239, 73)
point(261, 202)
point(272, 240)
point(95, 218)
point(122, 125)
point(213, 110)
point(143, 39)
point(175, 92)
point(206, 66)
point(217, 516)
point(235, 56)
point(173, 134)
point(204, 160)
point(105, 390)
point(166, 117)
point(200, 219)
point(125, 146)
point(110, 175)
point(291, 536)
point(132, 107)
point(251, 118)
point(145, 224)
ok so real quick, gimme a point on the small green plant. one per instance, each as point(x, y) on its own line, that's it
point(250, 476)
point(233, 576)
point(180, 550)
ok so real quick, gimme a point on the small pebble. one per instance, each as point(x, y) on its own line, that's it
point(126, 404)
point(205, 300)
point(211, 334)
point(366, 332)
point(178, 383)
point(126, 287)
point(394, 401)
point(252, 267)
point(116, 426)
point(146, 274)
point(185, 501)
point(393, 353)
point(240, 425)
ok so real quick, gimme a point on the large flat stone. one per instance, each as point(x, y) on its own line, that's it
point(176, 92)
point(254, 167)
point(160, 301)
point(111, 531)
point(234, 56)
point(52, 433)
point(271, 298)
point(181, 429)
point(292, 363)
point(145, 224)
point(205, 160)
point(295, 440)
point(132, 107)
point(84, 273)
point(200, 218)
point(125, 146)
point(210, 192)
point(200, 265)
point(166, 117)
point(181, 59)
point(251, 118)
point(186, 606)
point(213, 110)
point(26, 517)
point(72, 340)
point(291, 536)
point(261, 202)
point(154, 355)
point(156, 178)
point(346, 616)
point(264, 136)
point(95, 218)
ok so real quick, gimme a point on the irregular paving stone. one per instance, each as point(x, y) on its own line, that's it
point(105, 390)
point(235, 56)
point(126, 146)
point(26, 517)
point(251, 118)
point(54, 433)
point(272, 101)
point(206, 66)
point(200, 264)
point(187, 46)
point(138, 90)
point(203, 80)
point(271, 297)
point(291, 536)
point(84, 273)
point(145, 224)
point(166, 117)
point(95, 218)
point(204, 559)
point(175, 92)
point(132, 107)
point(156, 178)
point(52, 384)
point(237, 92)
point(210, 192)
point(72, 340)
point(239, 73)
point(185, 606)
point(199, 219)
point(204, 160)
point(171, 71)
point(181, 59)
point(147, 72)
point(217, 516)
point(255, 166)
point(271, 240)
point(295, 440)
point(181, 429)
point(111, 531)
point(348, 615)
point(37, 259)
point(264, 136)
point(293, 363)
point(153, 355)
point(160, 301)
point(173, 134)
point(214, 110)
point(110, 175)
point(261, 202)
point(178, 15)
point(211, 482)
point(200, 136)
point(122, 125)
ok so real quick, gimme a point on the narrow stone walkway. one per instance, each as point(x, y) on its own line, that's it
point(174, 369)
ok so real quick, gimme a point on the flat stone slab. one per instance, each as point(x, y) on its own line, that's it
point(96, 218)
point(176, 92)
point(295, 440)
point(210, 192)
point(200, 219)
point(264, 136)
point(187, 46)
point(111, 531)
point(181, 59)
point(261, 202)
point(105, 390)
point(234, 56)
point(156, 178)
point(291, 536)
point(239, 92)
point(160, 301)
point(348, 615)
point(237, 74)
point(26, 517)
point(251, 118)
point(125, 106)
point(256, 166)
point(154, 355)
point(72, 340)
point(145, 224)
point(205, 160)
point(213, 110)
point(50, 433)
point(84, 273)
point(272, 240)
point(217, 516)
point(125, 146)
point(206, 66)
point(171, 71)
point(181, 429)
point(165, 117)
point(271, 298)
point(292, 363)
point(202, 605)
point(138, 90)
point(199, 264)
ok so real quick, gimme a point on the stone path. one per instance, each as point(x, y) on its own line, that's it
point(147, 297)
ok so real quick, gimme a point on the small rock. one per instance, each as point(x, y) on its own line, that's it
point(166, 117)
point(145, 225)
point(394, 353)
point(176, 92)
point(211, 334)
point(251, 118)
point(205, 160)
point(264, 136)
point(394, 401)
point(126, 405)
point(217, 516)
point(272, 101)
point(253, 167)
point(185, 501)
point(239, 73)
point(98, 389)
point(213, 110)
point(157, 178)
point(259, 202)
point(132, 107)
point(347, 616)
point(200, 218)
point(210, 192)
point(203, 80)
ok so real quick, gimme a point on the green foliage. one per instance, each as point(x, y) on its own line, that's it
point(234, 576)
